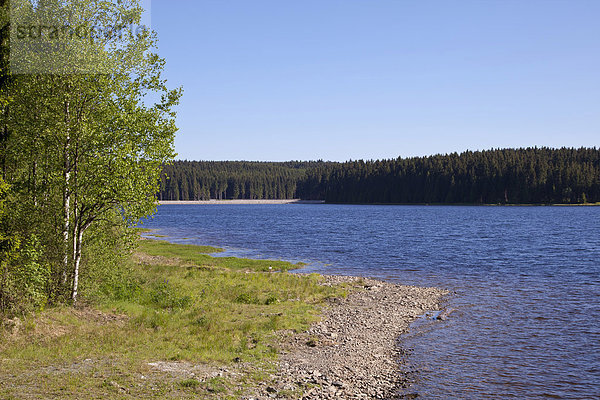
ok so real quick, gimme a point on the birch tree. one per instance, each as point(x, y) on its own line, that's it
point(96, 116)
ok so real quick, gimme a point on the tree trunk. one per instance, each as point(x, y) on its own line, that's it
point(3, 279)
point(77, 262)
point(75, 239)
point(66, 224)
point(66, 201)
point(76, 216)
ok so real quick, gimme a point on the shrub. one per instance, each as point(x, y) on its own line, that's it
point(106, 272)
point(25, 276)
point(271, 299)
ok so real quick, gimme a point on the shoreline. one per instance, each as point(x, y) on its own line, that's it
point(256, 332)
point(354, 351)
point(240, 201)
point(300, 201)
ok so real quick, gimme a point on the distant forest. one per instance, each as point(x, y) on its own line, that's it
point(204, 180)
point(503, 176)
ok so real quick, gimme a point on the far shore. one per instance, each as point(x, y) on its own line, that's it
point(242, 201)
point(300, 201)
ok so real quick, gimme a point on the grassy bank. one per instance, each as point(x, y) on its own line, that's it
point(182, 321)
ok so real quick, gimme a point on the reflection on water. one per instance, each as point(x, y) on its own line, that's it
point(526, 283)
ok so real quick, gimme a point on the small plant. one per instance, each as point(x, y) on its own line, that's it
point(189, 383)
point(201, 321)
point(246, 298)
point(271, 299)
point(156, 320)
point(216, 385)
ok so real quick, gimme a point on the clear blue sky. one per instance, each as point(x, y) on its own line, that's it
point(325, 79)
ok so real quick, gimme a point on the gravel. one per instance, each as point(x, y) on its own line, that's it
point(353, 352)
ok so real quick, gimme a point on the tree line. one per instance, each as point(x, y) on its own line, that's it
point(204, 180)
point(498, 176)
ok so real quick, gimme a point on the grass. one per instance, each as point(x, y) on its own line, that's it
point(190, 313)
point(199, 255)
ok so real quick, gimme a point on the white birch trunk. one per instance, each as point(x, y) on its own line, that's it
point(66, 200)
point(66, 216)
point(77, 262)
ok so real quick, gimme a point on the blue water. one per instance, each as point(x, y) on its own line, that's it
point(525, 283)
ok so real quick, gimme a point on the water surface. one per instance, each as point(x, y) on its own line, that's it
point(526, 282)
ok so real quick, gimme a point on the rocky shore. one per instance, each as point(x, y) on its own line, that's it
point(353, 352)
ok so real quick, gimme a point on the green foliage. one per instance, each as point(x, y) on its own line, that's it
point(25, 277)
point(30, 274)
point(246, 298)
point(502, 176)
point(24, 274)
point(83, 135)
point(6, 242)
point(499, 176)
point(105, 271)
point(271, 299)
point(204, 180)
point(216, 385)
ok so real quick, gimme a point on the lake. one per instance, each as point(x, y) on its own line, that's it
point(525, 283)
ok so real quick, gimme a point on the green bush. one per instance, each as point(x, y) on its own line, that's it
point(24, 272)
point(106, 272)
point(31, 274)
point(25, 276)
